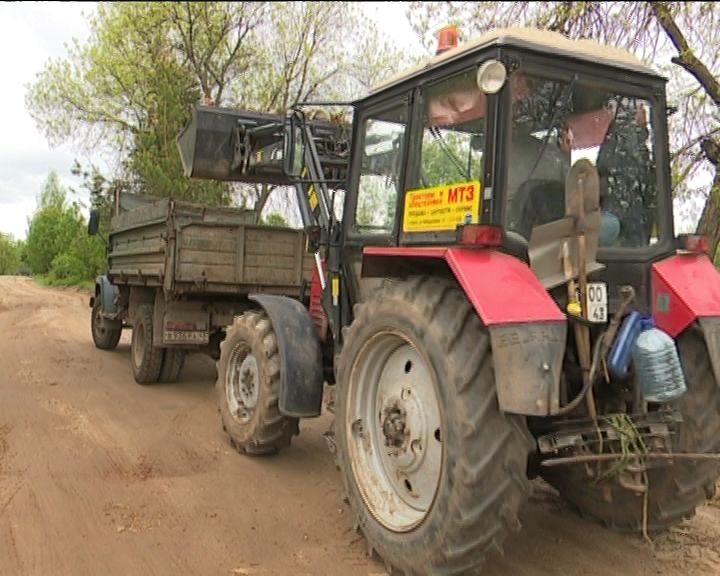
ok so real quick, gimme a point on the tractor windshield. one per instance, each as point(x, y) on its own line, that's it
point(554, 124)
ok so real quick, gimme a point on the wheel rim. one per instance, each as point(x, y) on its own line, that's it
point(394, 431)
point(242, 383)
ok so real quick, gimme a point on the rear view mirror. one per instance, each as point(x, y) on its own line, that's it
point(293, 147)
point(94, 222)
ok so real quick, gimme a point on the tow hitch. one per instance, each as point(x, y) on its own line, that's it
point(581, 441)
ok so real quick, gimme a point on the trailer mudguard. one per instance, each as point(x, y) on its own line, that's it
point(301, 371)
point(107, 293)
point(527, 329)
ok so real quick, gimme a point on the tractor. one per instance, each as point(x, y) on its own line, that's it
point(502, 298)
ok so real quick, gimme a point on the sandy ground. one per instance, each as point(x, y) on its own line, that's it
point(99, 475)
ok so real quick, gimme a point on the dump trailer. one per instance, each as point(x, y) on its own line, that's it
point(504, 297)
point(177, 274)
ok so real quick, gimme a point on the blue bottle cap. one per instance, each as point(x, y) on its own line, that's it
point(647, 322)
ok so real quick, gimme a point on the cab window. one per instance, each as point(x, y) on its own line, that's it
point(453, 139)
point(381, 166)
point(554, 124)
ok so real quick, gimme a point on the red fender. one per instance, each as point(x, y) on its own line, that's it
point(502, 289)
point(685, 287)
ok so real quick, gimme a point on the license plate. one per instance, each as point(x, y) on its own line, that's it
point(186, 336)
point(597, 302)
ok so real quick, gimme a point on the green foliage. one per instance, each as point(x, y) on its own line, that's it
point(129, 89)
point(275, 219)
point(9, 255)
point(58, 246)
point(449, 156)
point(132, 85)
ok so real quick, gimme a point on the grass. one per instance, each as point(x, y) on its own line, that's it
point(51, 280)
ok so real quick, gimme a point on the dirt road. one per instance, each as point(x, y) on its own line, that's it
point(99, 475)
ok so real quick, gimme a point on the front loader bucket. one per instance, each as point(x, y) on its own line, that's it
point(208, 143)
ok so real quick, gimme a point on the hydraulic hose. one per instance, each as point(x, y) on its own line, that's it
point(588, 385)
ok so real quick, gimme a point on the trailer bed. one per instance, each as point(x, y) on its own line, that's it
point(186, 248)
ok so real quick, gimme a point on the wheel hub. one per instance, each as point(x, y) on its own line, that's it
point(393, 426)
point(242, 387)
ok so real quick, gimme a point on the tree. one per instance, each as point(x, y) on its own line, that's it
point(275, 219)
point(658, 32)
point(126, 87)
point(58, 244)
point(134, 82)
point(53, 227)
point(9, 255)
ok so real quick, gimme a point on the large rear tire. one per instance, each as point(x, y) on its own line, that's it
point(434, 472)
point(106, 333)
point(674, 491)
point(248, 386)
point(146, 359)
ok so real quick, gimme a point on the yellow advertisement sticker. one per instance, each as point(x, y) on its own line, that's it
point(441, 207)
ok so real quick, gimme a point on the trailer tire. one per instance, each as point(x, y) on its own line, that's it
point(145, 358)
point(248, 387)
point(674, 491)
point(104, 336)
point(422, 341)
point(172, 365)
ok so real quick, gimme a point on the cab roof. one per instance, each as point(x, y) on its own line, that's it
point(552, 43)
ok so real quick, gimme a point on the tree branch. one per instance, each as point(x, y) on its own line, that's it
point(686, 57)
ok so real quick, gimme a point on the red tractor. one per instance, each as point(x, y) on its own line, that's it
point(503, 297)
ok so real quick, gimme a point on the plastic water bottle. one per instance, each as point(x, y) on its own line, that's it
point(657, 365)
point(621, 352)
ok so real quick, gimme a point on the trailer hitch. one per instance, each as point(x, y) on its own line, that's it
point(584, 441)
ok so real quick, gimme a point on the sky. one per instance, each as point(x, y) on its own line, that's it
point(30, 34)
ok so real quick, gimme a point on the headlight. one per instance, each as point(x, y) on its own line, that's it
point(491, 76)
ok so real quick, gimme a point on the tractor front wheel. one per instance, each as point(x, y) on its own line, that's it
point(674, 491)
point(248, 387)
point(434, 472)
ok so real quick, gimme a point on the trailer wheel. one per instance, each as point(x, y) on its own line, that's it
point(674, 491)
point(105, 335)
point(172, 364)
point(146, 359)
point(434, 472)
point(248, 386)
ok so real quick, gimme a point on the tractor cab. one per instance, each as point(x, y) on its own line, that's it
point(485, 136)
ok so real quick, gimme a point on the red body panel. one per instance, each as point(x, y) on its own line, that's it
point(684, 287)
point(502, 289)
point(316, 309)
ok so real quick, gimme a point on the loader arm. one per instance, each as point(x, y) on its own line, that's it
point(257, 148)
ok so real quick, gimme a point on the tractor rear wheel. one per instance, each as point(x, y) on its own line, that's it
point(676, 490)
point(434, 472)
point(248, 386)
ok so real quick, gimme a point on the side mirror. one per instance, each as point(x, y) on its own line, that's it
point(94, 222)
point(293, 149)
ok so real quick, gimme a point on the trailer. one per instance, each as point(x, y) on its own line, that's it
point(178, 273)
